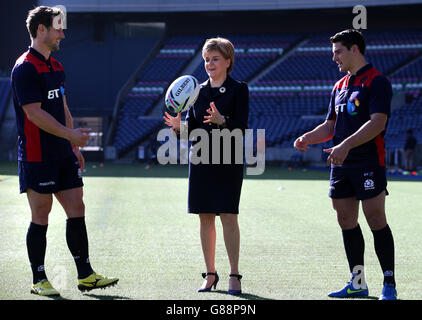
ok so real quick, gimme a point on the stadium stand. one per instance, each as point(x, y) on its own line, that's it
point(292, 96)
point(253, 53)
point(132, 125)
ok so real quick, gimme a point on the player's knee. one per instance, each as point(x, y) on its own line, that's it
point(346, 221)
point(39, 215)
point(376, 221)
point(75, 209)
point(79, 207)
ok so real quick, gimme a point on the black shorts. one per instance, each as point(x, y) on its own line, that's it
point(50, 176)
point(362, 183)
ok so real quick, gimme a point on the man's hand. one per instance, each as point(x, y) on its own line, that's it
point(79, 156)
point(337, 154)
point(79, 136)
point(300, 144)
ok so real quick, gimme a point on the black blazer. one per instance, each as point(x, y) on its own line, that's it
point(231, 100)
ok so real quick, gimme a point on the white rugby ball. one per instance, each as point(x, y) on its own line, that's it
point(182, 93)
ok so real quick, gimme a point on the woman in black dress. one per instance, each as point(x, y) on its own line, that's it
point(214, 188)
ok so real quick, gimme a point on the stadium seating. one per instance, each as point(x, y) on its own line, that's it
point(253, 53)
point(292, 97)
point(301, 84)
point(407, 117)
point(153, 80)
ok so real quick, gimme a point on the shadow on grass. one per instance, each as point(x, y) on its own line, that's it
point(246, 296)
point(356, 298)
point(106, 297)
point(57, 298)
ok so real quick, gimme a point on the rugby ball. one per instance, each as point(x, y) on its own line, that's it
point(182, 93)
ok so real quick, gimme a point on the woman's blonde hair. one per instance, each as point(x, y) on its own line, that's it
point(222, 45)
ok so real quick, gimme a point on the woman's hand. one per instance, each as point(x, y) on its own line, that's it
point(214, 115)
point(173, 122)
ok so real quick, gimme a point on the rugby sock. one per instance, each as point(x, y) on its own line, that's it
point(77, 241)
point(384, 248)
point(36, 244)
point(354, 245)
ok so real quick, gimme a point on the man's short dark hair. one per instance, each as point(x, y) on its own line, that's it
point(350, 37)
point(40, 15)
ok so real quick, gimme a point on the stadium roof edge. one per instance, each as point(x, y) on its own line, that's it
point(205, 5)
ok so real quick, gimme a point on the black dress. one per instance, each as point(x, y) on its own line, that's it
point(215, 188)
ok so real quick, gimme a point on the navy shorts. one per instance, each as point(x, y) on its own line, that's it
point(50, 176)
point(362, 183)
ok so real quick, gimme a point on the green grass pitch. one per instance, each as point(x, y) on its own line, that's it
point(139, 231)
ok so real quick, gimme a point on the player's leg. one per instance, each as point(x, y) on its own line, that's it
point(232, 241)
point(40, 205)
point(347, 210)
point(36, 241)
point(38, 181)
point(70, 196)
point(208, 243)
point(77, 240)
point(76, 233)
point(374, 210)
point(36, 237)
point(344, 201)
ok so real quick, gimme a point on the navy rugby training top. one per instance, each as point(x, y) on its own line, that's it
point(35, 79)
point(353, 99)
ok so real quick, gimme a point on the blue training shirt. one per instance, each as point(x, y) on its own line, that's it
point(35, 79)
point(353, 99)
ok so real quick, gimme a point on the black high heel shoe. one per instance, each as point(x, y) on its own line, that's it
point(214, 284)
point(235, 292)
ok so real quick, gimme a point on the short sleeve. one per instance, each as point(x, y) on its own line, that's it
point(381, 94)
point(331, 106)
point(26, 84)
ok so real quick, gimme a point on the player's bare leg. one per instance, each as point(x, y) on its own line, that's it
point(40, 205)
point(347, 210)
point(374, 210)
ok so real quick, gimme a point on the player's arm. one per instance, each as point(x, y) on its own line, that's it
point(368, 131)
point(320, 134)
point(68, 116)
point(46, 122)
point(69, 124)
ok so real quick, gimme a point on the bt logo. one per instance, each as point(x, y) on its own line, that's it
point(351, 107)
point(52, 94)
